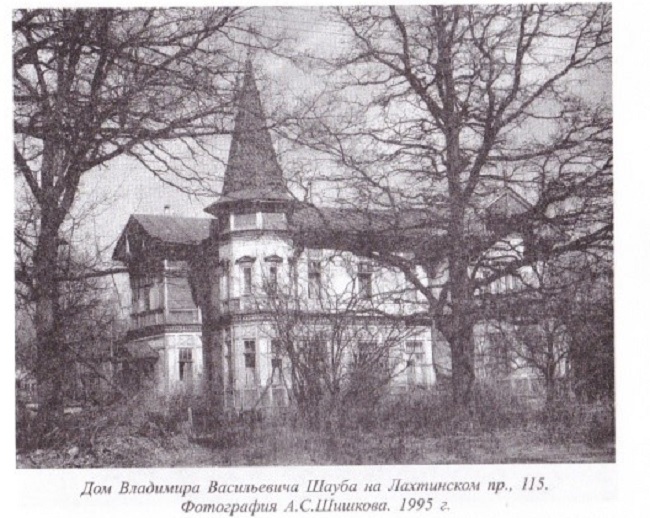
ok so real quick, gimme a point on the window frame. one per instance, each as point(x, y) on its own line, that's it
point(250, 361)
point(314, 279)
point(247, 278)
point(272, 281)
point(276, 362)
point(364, 278)
point(185, 363)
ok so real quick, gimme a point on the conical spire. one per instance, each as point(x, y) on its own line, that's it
point(253, 172)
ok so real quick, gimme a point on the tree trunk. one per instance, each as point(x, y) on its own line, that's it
point(205, 288)
point(458, 329)
point(551, 388)
point(462, 364)
point(461, 330)
point(51, 357)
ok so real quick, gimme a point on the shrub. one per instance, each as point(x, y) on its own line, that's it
point(574, 421)
point(496, 407)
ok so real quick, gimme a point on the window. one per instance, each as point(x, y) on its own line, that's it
point(249, 354)
point(146, 293)
point(230, 367)
point(372, 358)
point(144, 297)
point(224, 280)
point(185, 364)
point(365, 281)
point(276, 362)
point(244, 221)
point(321, 347)
point(498, 354)
point(512, 283)
point(247, 279)
point(367, 352)
point(315, 280)
point(272, 283)
point(274, 220)
point(250, 362)
point(154, 297)
point(414, 362)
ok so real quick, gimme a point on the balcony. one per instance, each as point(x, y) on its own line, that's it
point(156, 317)
point(183, 316)
point(236, 305)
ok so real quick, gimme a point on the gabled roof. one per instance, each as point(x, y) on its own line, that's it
point(253, 171)
point(508, 204)
point(174, 229)
point(163, 229)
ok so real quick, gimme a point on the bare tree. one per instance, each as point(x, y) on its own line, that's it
point(89, 326)
point(540, 349)
point(90, 312)
point(92, 85)
point(343, 349)
point(580, 299)
point(434, 110)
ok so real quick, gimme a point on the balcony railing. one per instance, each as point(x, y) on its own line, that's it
point(182, 316)
point(160, 316)
point(244, 304)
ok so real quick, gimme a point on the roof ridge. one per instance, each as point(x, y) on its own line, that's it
point(140, 214)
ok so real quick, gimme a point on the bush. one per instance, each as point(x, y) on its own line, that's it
point(496, 407)
point(573, 421)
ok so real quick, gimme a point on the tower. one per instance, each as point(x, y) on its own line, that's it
point(250, 236)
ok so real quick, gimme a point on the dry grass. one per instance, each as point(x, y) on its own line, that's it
point(414, 429)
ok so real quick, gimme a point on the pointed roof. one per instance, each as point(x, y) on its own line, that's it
point(508, 204)
point(253, 171)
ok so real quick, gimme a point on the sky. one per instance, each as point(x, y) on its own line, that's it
point(128, 188)
point(125, 187)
